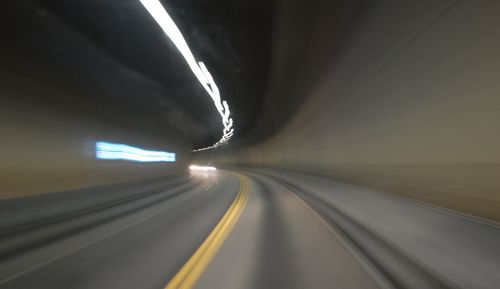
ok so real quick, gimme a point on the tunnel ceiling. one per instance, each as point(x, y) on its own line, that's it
point(132, 75)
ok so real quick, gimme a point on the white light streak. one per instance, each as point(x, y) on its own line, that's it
point(114, 151)
point(202, 168)
point(199, 69)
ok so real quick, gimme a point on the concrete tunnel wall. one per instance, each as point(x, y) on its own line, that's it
point(407, 103)
point(44, 149)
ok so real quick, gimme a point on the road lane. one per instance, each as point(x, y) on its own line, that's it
point(189, 274)
point(280, 243)
point(141, 252)
point(290, 231)
point(412, 244)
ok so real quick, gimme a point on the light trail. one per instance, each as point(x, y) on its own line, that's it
point(114, 151)
point(167, 24)
point(202, 168)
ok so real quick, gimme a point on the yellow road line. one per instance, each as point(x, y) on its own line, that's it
point(191, 272)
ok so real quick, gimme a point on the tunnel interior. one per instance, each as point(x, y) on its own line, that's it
point(343, 102)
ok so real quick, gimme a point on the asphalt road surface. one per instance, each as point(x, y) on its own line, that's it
point(241, 229)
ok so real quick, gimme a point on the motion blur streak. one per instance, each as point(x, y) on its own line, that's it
point(113, 151)
point(366, 152)
point(199, 69)
point(202, 168)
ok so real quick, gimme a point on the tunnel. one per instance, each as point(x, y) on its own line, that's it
point(151, 144)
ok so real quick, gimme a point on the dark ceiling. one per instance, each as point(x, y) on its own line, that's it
point(120, 68)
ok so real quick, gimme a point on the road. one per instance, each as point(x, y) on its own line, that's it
point(241, 228)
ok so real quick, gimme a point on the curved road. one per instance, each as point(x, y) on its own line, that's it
point(241, 229)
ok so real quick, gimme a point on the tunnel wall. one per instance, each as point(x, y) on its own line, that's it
point(408, 103)
point(60, 92)
point(46, 149)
